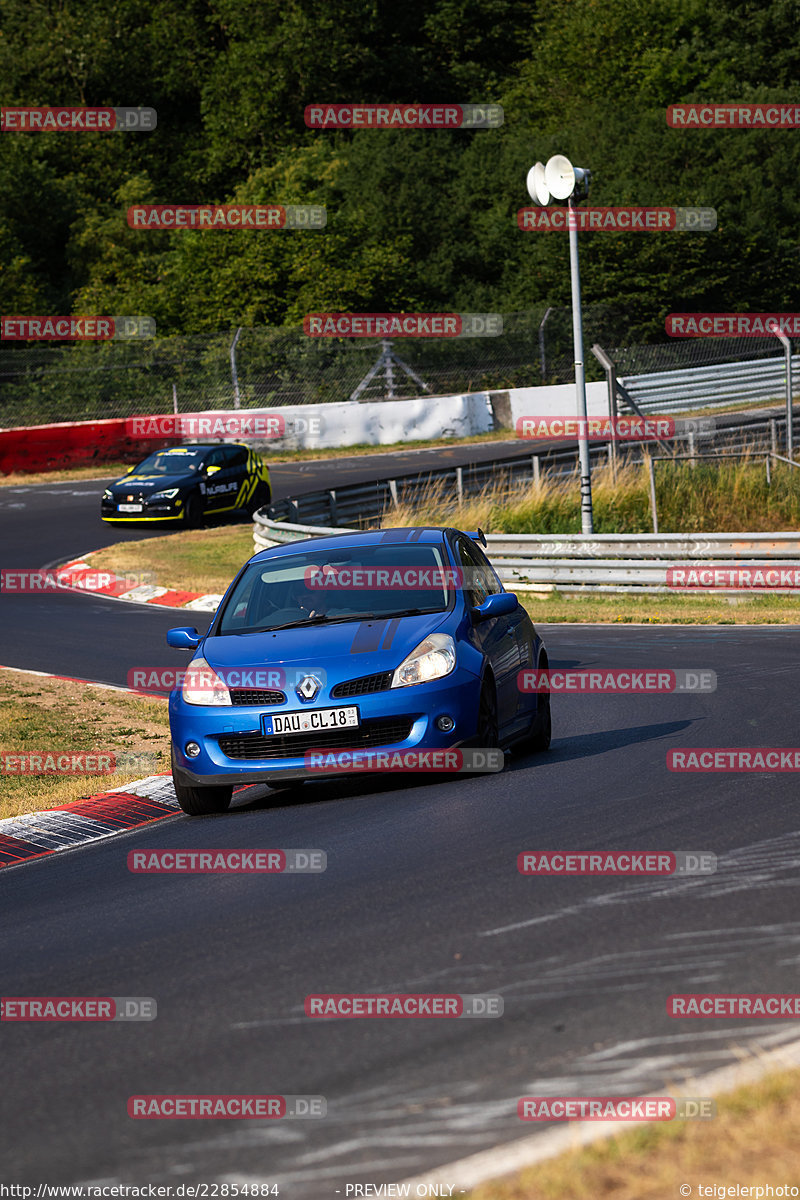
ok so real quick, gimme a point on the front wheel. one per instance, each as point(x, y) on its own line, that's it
point(192, 512)
point(487, 735)
point(200, 801)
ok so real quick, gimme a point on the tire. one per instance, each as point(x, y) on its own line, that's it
point(193, 511)
point(538, 738)
point(200, 801)
point(487, 733)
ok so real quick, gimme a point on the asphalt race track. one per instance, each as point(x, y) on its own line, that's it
point(421, 894)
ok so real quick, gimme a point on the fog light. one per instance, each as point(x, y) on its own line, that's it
point(445, 723)
point(191, 749)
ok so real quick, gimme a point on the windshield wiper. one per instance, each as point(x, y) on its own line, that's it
point(320, 619)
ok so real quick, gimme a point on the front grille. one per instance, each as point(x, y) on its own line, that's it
point(257, 696)
point(363, 686)
point(377, 731)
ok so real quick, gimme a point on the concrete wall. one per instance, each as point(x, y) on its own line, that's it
point(306, 426)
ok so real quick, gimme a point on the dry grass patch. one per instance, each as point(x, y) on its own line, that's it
point(724, 496)
point(752, 1141)
point(68, 474)
point(57, 716)
point(197, 560)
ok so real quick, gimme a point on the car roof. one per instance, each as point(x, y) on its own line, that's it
point(426, 534)
point(201, 446)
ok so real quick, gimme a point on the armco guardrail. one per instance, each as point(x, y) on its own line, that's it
point(719, 384)
point(613, 562)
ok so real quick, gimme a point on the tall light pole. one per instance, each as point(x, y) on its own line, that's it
point(560, 180)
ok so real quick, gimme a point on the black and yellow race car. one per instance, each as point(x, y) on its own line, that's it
point(184, 484)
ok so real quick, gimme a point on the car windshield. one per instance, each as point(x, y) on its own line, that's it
point(321, 586)
point(179, 461)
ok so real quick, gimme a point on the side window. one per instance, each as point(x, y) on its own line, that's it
point(235, 456)
point(474, 581)
point(493, 584)
point(216, 458)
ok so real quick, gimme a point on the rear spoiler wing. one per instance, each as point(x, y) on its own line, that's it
point(479, 536)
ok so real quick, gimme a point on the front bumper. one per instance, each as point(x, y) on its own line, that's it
point(414, 710)
point(165, 510)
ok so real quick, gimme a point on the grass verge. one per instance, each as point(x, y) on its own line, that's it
point(558, 609)
point(56, 716)
point(68, 475)
point(197, 560)
point(751, 1142)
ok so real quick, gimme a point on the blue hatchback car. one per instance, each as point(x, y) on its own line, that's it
point(396, 639)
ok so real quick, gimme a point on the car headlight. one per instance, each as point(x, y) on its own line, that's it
point(107, 495)
point(170, 494)
point(433, 658)
point(202, 685)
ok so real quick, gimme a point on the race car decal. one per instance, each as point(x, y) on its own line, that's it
point(374, 635)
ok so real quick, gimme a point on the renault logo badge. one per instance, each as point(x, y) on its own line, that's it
point(308, 687)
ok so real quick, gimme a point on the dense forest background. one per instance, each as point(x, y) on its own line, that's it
point(416, 221)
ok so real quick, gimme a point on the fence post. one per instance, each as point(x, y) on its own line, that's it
point(692, 460)
point(773, 435)
point(535, 465)
point(652, 468)
point(769, 476)
point(393, 491)
point(460, 483)
point(333, 507)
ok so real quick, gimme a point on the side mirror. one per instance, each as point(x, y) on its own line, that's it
point(185, 637)
point(500, 605)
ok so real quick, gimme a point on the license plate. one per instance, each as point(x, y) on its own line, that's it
point(130, 507)
point(310, 722)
